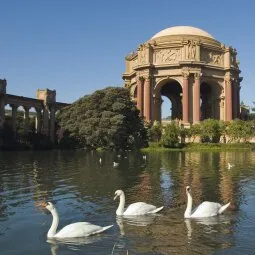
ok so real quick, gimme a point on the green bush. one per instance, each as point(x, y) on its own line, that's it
point(170, 137)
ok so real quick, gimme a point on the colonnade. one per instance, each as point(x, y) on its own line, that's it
point(149, 100)
point(45, 107)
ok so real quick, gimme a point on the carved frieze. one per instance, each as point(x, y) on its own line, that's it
point(167, 56)
point(212, 57)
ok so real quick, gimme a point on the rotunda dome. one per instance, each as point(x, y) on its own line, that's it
point(182, 30)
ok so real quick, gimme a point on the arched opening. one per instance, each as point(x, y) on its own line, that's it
point(171, 91)
point(210, 101)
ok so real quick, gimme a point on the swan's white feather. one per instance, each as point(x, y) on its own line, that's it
point(80, 229)
point(139, 208)
point(206, 209)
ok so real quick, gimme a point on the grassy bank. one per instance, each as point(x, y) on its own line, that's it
point(202, 147)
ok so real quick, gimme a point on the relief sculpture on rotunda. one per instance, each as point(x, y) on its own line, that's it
point(167, 56)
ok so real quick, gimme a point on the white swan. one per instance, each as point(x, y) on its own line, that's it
point(100, 161)
point(74, 230)
point(206, 209)
point(139, 208)
point(230, 165)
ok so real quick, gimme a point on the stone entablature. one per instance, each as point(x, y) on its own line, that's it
point(166, 59)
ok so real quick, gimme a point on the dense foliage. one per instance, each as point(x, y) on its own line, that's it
point(170, 137)
point(105, 119)
point(209, 131)
point(22, 139)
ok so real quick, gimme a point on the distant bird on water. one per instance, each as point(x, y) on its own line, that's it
point(115, 164)
point(230, 165)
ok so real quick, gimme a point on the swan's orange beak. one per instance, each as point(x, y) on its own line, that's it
point(115, 197)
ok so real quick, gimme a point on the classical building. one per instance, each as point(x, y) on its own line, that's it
point(45, 106)
point(198, 74)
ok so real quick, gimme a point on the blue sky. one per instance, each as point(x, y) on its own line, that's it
point(60, 44)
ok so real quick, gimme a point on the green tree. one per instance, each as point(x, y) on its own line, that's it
point(240, 129)
point(155, 132)
point(194, 131)
point(107, 118)
point(170, 137)
point(210, 131)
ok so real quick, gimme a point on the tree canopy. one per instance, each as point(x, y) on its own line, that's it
point(107, 119)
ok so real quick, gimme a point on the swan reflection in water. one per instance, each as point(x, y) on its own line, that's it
point(72, 243)
point(138, 221)
point(128, 223)
point(209, 224)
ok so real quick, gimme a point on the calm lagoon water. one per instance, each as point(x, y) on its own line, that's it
point(83, 190)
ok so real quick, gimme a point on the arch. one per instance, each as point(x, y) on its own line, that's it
point(210, 100)
point(163, 81)
point(172, 89)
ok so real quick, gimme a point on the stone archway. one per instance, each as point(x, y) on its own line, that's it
point(171, 89)
point(210, 103)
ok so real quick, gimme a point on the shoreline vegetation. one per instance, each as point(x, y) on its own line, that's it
point(157, 147)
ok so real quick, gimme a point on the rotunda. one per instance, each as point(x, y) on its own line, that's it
point(197, 73)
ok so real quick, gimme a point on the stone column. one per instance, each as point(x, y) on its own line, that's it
point(14, 118)
point(139, 83)
point(196, 98)
point(228, 96)
point(45, 128)
point(26, 119)
point(52, 124)
point(147, 99)
point(38, 120)
point(238, 100)
point(185, 98)
point(3, 85)
point(234, 100)
point(157, 108)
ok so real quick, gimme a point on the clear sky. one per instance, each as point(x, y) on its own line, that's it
point(78, 46)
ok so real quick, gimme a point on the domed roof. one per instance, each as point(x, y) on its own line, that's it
point(182, 30)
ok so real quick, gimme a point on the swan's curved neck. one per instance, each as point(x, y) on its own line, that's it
point(53, 229)
point(187, 213)
point(120, 209)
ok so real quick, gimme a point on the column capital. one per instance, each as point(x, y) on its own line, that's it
point(185, 74)
point(147, 78)
point(38, 109)
point(26, 108)
point(139, 78)
point(197, 75)
point(14, 106)
point(158, 100)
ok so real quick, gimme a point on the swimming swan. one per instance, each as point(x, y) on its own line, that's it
point(139, 208)
point(206, 209)
point(74, 230)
